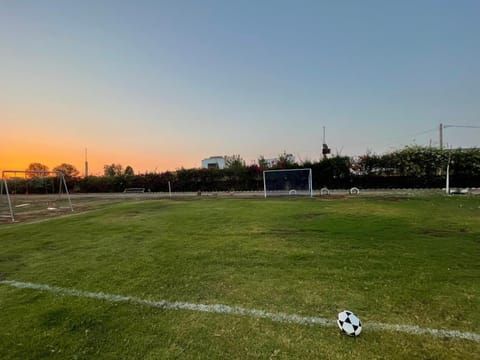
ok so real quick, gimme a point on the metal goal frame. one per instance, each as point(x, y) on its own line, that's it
point(6, 174)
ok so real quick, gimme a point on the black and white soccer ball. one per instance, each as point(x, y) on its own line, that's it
point(349, 323)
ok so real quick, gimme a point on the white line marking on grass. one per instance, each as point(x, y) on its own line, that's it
point(235, 310)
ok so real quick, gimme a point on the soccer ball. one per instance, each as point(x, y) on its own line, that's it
point(349, 323)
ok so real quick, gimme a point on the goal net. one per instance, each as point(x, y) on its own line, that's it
point(32, 194)
point(287, 182)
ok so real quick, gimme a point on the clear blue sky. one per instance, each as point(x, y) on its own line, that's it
point(163, 84)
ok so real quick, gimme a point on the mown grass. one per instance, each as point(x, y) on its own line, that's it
point(392, 260)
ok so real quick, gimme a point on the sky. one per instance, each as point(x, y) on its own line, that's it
point(161, 85)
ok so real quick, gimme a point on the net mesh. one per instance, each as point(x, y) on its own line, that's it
point(288, 182)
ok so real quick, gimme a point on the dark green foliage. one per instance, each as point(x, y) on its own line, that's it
point(112, 170)
point(37, 167)
point(67, 169)
point(129, 171)
point(421, 162)
point(411, 167)
point(286, 161)
point(234, 161)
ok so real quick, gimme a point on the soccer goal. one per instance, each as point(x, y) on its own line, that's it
point(32, 194)
point(288, 182)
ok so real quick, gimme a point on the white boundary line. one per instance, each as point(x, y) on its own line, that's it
point(235, 310)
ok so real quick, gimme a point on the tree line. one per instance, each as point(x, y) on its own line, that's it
point(410, 167)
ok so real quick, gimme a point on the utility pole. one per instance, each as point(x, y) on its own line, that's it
point(456, 126)
point(441, 136)
point(447, 185)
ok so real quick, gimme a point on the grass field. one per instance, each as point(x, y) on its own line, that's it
point(392, 260)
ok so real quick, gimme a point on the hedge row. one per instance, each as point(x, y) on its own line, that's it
point(213, 181)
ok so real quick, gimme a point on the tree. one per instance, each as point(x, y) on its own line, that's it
point(465, 162)
point(262, 162)
point(129, 171)
point(285, 161)
point(234, 162)
point(67, 169)
point(36, 167)
point(112, 169)
point(368, 164)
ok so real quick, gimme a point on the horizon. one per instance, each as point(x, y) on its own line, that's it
point(159, 86)
point(81, 170)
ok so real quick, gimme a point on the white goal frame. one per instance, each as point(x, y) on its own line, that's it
point(62, 188)
point(289, 191)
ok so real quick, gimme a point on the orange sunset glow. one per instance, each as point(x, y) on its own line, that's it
point(160, 91)
point(20, 157)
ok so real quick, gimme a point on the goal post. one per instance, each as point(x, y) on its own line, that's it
point(29, 193)
point(8, 203)
point(288, 182)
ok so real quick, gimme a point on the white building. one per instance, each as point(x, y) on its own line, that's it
point(213, 162)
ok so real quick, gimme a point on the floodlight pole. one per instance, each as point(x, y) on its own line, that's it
point(86, 163)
